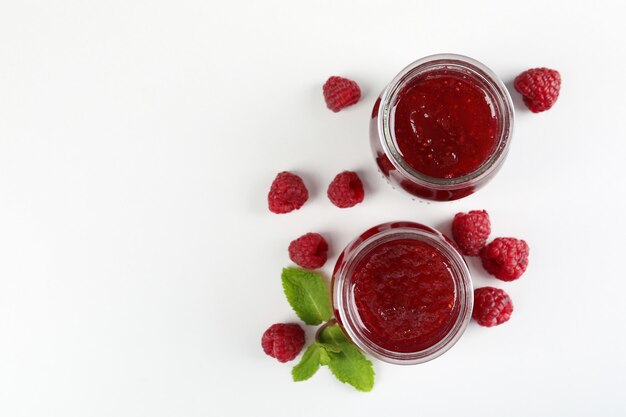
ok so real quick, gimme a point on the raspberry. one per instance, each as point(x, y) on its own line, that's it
point(492, 306)
point(283, 341)
point(309, 251)
point(340, 93)
point(287, 193)
point(346, 190)
point(471, 230)
point(506, 258)
point(539, 88)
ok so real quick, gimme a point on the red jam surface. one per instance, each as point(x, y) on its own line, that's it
point(445, 125)
point(404, 293)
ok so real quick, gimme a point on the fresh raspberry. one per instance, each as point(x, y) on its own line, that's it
point(492, 306)
point(283, 341)
point(340, 93)
point(287, 193)
point(346, 190)
point(471, 231)
point(506, 258)
point(539, 88)
point(309, 251)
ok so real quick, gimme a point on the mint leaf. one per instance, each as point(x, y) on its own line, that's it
point(329, 347)
point(333, 337)
point(350, 365)
point(324, 358)
point(309, 364)
point(307, 294)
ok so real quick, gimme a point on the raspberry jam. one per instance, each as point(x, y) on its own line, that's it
point(442, 127)
point(402, 292)
point(445, 126)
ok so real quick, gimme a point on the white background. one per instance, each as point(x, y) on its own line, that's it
point(139, 264)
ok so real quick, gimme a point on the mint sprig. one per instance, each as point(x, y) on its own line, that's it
point(309, 297)
point(307, 294)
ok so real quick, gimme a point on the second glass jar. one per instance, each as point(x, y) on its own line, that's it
point(402, 292)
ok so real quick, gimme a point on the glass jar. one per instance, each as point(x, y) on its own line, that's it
point(402, 292)
point(402, 170)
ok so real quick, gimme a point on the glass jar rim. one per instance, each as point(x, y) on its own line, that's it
point(346, 310)
point(420, 66)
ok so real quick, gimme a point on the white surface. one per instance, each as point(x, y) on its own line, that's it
point(139, 265)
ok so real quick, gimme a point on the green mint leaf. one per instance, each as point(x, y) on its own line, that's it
point(309, 364)
point(330, 347)
point(350, 365)
point(307, 294)
point(332, 337)
point(324, 358)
